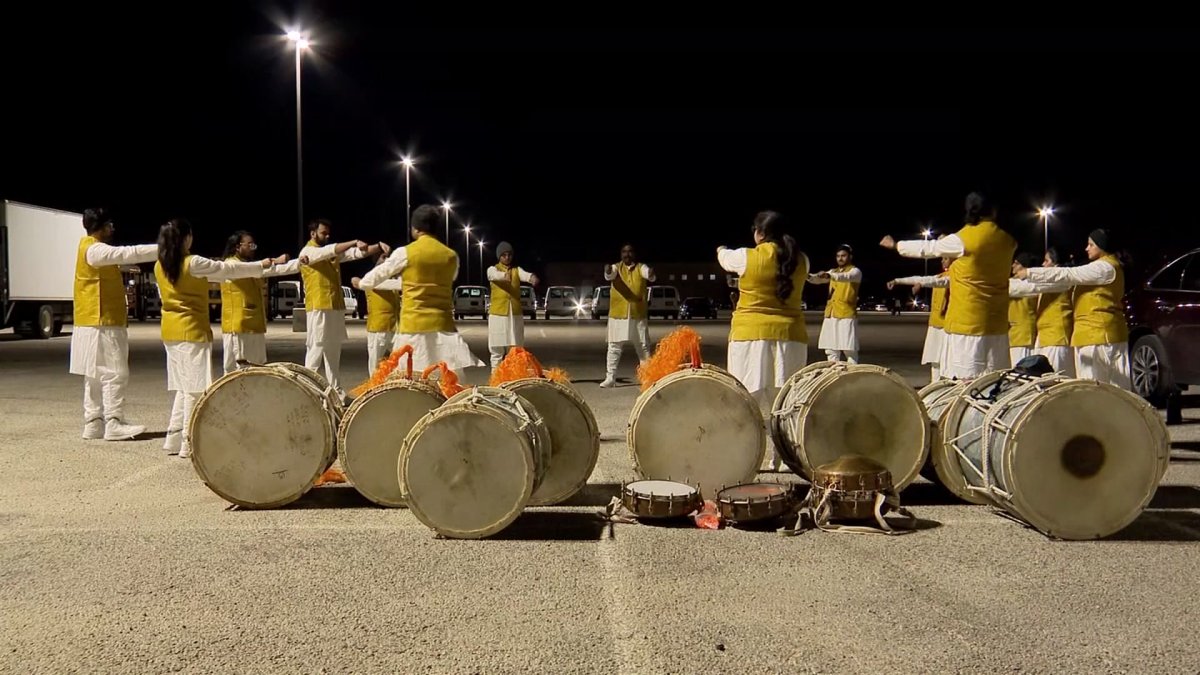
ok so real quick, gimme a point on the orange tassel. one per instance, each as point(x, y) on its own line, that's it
point(384, 370)
point(448, 382)
point(331, 475)
point(680, 345)
point(520, 364)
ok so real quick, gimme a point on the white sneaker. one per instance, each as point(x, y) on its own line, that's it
point(174, 443)
point(93, 430)
point(608, 383)
point(117, 430)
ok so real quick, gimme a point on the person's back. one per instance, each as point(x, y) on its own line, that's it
point(428, 278)
point(979, 281)
point(760, 314)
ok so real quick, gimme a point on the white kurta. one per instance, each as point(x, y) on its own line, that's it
point(622, 328)
point(931, 353)
point(507, 331)
point(97, 350)
point(428, 348)
point(247, 346)
point(327, 326)
point(839, 335)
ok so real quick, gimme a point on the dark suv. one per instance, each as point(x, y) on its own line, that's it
point(1164, 329)
point(697, 308)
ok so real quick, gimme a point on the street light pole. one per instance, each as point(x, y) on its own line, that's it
point(467, 250)
point(301, 44)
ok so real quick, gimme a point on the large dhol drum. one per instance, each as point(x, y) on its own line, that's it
point(937, 397)
point(831, 409)
point(468, 468)
point(697, 426)
point(574, 437)
point(373, 430)
point(261, 436)
point(1076, 459)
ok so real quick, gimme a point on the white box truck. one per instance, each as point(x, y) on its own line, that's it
point(38, 247)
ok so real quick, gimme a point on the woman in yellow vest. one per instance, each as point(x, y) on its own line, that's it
point(976, 323)
point(931, 354)
point(100, 339)
point(383, 316)
point(767, 338)
point(627, 311)
point(506, 322)
point(1022, 315)
point(1100, 335)
point(243, 305)
point(839, 331)
point(427, 270)
point(1055, 322)
point(183, 281)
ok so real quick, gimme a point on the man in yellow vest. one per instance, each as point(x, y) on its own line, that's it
point(1022, 314)
point(839, 332)
point(1100, 335)
point(977, 318)
point(627, 310)
point(243, 305)
point(939, 303)
point(383, 316)
point(100, 339)
point(324, 304)
point(427, 270)
point(506, 322)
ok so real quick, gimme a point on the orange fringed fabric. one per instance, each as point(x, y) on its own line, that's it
point(674, 349)
point(448, 382)
point(384, 370)
point(521, 364)
point(331, 475)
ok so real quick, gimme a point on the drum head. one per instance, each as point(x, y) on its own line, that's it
point(373, 430)
point(466, 472)
point(660, 488)
point(262, 436)
point(868, 411)
point(753, 492)
point(1085, 459)
point(699, 428)
point(574, 437)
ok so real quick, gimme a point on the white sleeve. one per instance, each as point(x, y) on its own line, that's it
point(524, 276)
point(221, 270)
point(1020, 288)
point(732, 260)
point(395, 263)
point(1054, 279)
point(318, 253)
point(388, 285)
point(610, 277)
point(352, 253)
point(648, 274)
point(950, 246)
point(927, 282)
point(103, 255)
point(814, 279)
point(853, 276)
point(288, 268)
point(494, 274)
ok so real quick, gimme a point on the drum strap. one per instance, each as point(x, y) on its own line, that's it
point(616, 512)
point(819, 514)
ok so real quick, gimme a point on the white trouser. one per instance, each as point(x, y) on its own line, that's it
point(189, 373)
point(934, 373)
point(330, 354)
point(498, 354)
point(1061, 358)
point(379, 347)
point(614, 354)
point(250, 347)
point(105, 371)
point(837, 354)
point(1015, 354)
point(181, 417)
point(1104, 363)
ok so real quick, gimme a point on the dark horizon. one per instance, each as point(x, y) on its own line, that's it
point(569, 145)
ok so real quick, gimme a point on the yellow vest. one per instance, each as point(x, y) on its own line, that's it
point(184, 305)
point(502, 300)
point(621, 307)
point(939, 302)
point(242, 304)
point(1100, 311)
point(760, 315)
point(979, 282)
point(843, 297)
point(322, 284)
point(1022, 321)
point(383, 311)
point(99, 291)
point(1054, 319)
point(428, 278)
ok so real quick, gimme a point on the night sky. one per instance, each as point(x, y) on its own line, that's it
point(547, 137)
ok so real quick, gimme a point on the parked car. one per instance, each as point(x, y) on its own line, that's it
point(664, 302)
point(470, 301)
point(600, 298)
point(350, 301)
point(528, 303)
point(285, 299)
point(697, 308)
point(1164, 329)
point(561, 301)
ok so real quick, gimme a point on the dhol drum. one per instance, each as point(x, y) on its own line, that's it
point(660, 498)
point(699, 426)
point(1076, 459)
point(468, 468)
point(574, 437)
point(756, 501)
point(261, 436)
point(831, 409)
point(373, 430)
point(937, 397)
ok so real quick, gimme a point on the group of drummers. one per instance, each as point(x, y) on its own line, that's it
point(984, 304)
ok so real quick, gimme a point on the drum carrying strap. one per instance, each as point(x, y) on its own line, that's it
point(819, 514)
point(616, 512)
